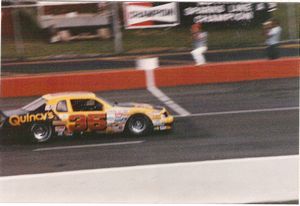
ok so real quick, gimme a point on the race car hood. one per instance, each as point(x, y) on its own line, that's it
point(138, 105)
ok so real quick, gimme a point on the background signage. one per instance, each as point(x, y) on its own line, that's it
point(225, 12)
point(150, 15)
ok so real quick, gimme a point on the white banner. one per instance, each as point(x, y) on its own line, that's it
point(162, 15)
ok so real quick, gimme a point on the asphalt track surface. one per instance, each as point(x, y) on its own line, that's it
point(269, 126)
point(165, 59)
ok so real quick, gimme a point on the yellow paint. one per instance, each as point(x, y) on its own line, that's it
point(53, 99)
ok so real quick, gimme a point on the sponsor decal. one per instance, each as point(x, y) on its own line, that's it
point(164, 15)
point(206, 12)
point(48, 107)
point(117, 116)
point(117, 127)
point(17, 120)
point(163, 127)
point(120, 117)
point(60, 130)
point(158, 123)
point(63, 116)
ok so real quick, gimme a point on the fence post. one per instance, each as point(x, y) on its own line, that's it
point(117, 28)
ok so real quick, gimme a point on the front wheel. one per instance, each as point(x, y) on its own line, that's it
point(40, 132)
point(138, 125)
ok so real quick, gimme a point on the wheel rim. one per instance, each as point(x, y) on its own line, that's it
point(138, 125)
point(40, 132)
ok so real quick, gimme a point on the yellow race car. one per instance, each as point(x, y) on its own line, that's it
point(79, 112)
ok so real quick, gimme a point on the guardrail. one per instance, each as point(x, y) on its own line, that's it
point(135, 79)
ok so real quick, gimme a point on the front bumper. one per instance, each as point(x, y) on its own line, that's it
point(164, 123)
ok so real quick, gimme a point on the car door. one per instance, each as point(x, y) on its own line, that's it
point(87, 115)
point(62, 110)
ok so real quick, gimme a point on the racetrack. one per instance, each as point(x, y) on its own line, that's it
point(227, 121)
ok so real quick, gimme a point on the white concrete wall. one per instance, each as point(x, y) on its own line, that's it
point(223, 181)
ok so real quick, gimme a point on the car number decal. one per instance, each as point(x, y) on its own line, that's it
point(80, 122)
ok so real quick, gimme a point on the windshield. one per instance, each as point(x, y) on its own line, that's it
point(34, 105)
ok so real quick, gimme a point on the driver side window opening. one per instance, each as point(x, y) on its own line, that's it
point(86, 105)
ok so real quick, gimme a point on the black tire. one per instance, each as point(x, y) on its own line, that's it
point(40, 132)
point(138, 125)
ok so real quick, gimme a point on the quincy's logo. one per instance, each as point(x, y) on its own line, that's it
point(16, 120)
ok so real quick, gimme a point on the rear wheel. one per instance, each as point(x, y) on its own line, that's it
point(41, 132)
point(138, 125)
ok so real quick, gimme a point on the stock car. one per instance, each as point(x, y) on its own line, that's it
point(66, 114)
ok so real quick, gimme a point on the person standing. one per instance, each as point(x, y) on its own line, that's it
point(200, 44)
point(273, 33)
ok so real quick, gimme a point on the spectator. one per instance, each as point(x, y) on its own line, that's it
point(200, 42)
point(272, 32)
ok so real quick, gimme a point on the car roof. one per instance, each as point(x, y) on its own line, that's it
point(62, 95)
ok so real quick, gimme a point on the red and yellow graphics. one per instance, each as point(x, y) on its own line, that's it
point(17, 120)
point(77, 112)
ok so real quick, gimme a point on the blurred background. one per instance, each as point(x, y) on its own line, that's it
point(35, 29)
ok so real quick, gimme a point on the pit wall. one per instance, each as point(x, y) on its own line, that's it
point(135, 79)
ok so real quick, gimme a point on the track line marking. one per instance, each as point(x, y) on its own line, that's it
point(151, 87)
point(238, 112)
point(86, 146)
